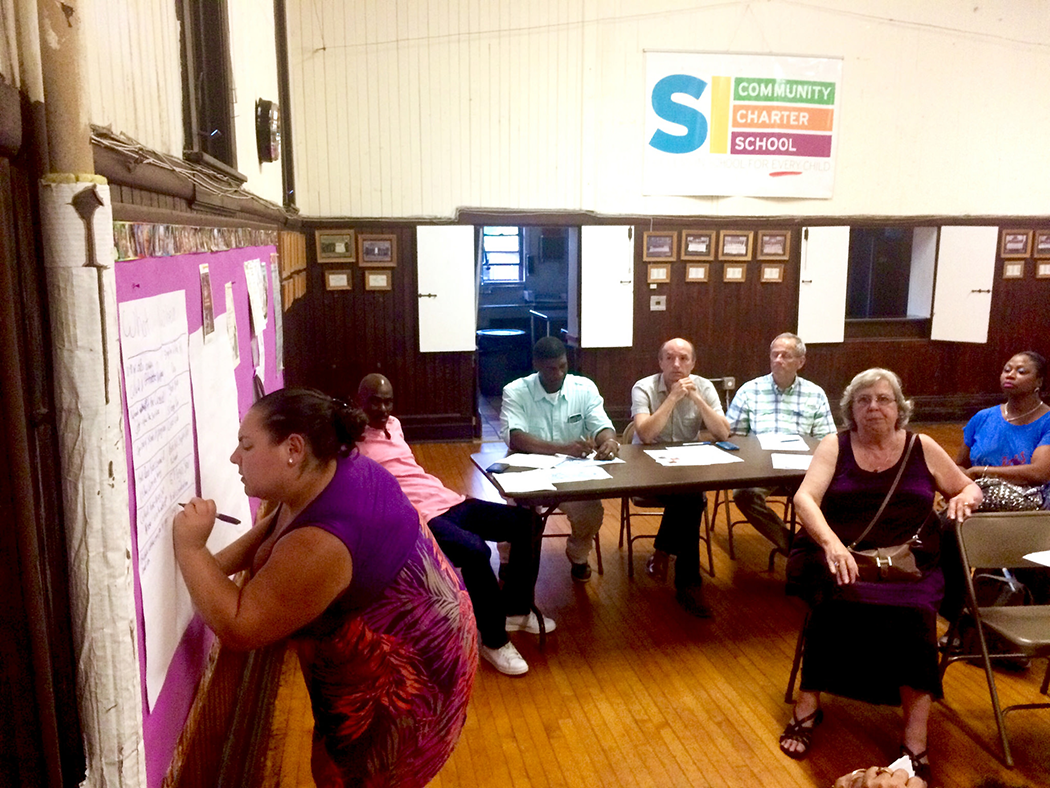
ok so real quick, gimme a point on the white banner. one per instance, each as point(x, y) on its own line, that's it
point(740, 125)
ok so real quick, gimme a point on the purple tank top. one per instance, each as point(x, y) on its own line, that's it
point(855, 494)
point(363, 506)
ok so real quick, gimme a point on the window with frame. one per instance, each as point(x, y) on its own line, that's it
point(501, 261)
point(207, 79)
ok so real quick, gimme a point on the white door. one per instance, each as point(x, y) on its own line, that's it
point(606, 286)
point(445, 278)
point(822, 284)
point(923, 267)
point(962, 299)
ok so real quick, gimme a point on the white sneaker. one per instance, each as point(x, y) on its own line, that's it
point(530, 624)
point(506, 659)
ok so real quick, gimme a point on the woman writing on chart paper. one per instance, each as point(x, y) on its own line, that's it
point(851, 475)
point(385, 631)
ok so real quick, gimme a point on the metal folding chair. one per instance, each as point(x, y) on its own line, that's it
point(1002, 540)
point(788, 517)
point(545, 513)
point(632, 507)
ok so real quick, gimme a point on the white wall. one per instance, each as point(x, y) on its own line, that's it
point(404, 108)
point(133, 72)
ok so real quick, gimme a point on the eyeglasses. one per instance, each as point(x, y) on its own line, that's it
point(882, 400)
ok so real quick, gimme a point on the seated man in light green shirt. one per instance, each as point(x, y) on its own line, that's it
point(552, 412)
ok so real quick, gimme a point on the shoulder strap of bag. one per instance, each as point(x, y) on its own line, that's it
point(893, 488)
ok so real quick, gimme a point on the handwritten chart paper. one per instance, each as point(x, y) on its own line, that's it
point(217, 422)
point(154, 351)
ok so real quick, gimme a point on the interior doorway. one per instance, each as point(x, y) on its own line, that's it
point(523, 294)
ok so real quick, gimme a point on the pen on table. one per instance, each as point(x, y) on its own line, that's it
point(224, 517)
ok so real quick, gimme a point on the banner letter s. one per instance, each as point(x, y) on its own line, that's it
point(666, 108)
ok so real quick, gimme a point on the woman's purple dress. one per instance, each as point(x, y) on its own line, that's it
point(390, 664)
point(866, 640)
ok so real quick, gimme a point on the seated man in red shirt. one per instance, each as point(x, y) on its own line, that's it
point(462, 526)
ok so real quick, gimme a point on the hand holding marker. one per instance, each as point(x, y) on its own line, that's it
point(224, 517)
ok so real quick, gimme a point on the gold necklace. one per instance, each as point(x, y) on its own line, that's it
point(1006, 411)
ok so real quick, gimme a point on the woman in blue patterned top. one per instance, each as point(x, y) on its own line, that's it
point(1012, 441)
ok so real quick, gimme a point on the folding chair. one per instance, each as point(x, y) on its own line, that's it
point(788, 517)
point(544, 514)
point(796, 663)
point(651, 507)
point(1001, 540)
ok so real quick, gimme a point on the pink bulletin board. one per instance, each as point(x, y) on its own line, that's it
point(153, 276)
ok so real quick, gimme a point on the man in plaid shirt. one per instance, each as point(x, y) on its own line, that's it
point(779, 402)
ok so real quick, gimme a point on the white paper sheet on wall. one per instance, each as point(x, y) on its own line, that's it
point(217, 422)
point(155, 357)
point(255, 277)
point(231, 325)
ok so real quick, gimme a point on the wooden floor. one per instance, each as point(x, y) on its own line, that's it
point(631, 691)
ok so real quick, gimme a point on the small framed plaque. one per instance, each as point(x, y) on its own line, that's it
point(659, 273)
point(378, 280)
point(1042, 269)
point(340, 279)
point(697, 272)
point(772, 272)
point(734, 272)
point(1013, 269)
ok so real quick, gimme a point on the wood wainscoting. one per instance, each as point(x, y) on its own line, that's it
point(336, 337)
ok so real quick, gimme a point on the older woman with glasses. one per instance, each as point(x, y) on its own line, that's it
point(851, 475)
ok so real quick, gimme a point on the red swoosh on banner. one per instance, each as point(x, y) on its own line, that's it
point(785, 172)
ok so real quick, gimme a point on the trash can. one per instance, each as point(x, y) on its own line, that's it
point(503, 355)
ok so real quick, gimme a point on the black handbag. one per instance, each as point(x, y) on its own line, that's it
point(896, 562)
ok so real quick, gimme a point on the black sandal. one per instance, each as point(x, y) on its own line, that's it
point(918, 765)
point(799, 732)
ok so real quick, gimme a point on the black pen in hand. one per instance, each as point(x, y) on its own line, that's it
point(224, 517)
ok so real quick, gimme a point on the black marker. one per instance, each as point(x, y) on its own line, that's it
point(224, 517)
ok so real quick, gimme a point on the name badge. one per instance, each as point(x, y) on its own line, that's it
point(576, 418)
